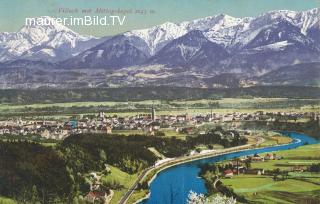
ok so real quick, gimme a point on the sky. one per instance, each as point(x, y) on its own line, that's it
point(14, 12)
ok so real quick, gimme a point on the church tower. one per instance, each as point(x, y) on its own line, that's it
point(153, 113)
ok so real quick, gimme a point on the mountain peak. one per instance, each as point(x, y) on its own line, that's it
point(43, 38)
point(45, 25)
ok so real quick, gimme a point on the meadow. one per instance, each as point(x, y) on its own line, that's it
point(299, 187)
point(124, 179)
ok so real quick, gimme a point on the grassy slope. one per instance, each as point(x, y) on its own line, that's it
point(4, 200)
point(123, 178)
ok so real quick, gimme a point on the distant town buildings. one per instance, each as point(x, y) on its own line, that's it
point(148, 123)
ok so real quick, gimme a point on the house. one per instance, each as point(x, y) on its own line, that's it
point(149, 130)
point(255, 171)
point(94, 196)
point(187, 130)
point(107, 168)
point(239, 169)
point(45, 133)
point(228, 173)
point(109, 129)
point(257, 158)
point(269, 157)
point(298, 168)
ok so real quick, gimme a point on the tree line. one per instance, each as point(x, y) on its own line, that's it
point(31, 96)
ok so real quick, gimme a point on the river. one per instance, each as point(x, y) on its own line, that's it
point(172, 185)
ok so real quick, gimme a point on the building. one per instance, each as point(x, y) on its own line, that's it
point(153, 113)
point(269, 157)
point(257, 158)
point(96, 196)
point(109, 130)
point(228, 173)
point(255, 171)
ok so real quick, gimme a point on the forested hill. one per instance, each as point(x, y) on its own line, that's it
point(152, 93)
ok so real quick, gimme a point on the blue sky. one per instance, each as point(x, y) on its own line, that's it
point(14, 12)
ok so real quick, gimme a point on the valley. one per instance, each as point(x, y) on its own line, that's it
point(215, 108)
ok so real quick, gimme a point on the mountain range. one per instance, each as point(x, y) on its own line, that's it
point(53, 42)
point(208, 52)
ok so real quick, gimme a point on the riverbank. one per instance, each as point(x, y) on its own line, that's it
point(186, 171)
point(147, 176)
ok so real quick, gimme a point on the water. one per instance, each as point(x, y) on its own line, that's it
point(173, 185)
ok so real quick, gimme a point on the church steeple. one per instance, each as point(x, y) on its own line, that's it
point(153, 112)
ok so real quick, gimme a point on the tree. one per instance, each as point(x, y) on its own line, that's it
point(276, 173)
point(314, 167)
point(194, 198)
point(247, 162)
point(35, 197)
point(103, 155)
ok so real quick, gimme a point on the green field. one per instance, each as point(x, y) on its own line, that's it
point(300, 187)
point(169, 132)
point(272, 138)
point(76, 104)
point(175, 107)
point(122, 178)
point(7, 201)
point(262, 189)
point(307, 152)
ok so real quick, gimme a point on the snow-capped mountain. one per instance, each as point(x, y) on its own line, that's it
point(250, 42)
point(237, 36)
point(201, 50)
point(158, 36)
point(52, 42)
point(226, 30)
point(119, 51)
point(191, 49)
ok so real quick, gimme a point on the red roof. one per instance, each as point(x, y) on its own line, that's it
point(228, 171)
point(96, 194)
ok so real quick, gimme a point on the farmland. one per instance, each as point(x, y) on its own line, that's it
point(299, 187)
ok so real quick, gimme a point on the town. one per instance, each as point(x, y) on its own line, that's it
point(148, 124)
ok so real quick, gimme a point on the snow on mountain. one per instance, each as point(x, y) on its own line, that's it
point(237, 36)
point(275, 46)
point(231, 32)
point(278, 32)
point(304, 20)
point(50, 42)
point(206, 43)
point(116, 52)
point(207, 47)
point(57, 43)
point(192, 48)
point(158, 36)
